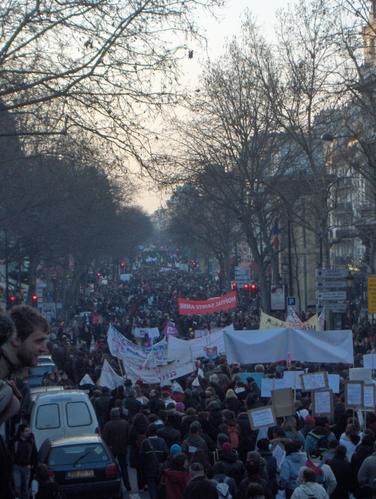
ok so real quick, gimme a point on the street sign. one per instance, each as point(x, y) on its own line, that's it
point(242, 275)
point(372, 294)
point(291, 301)
point(332, 295)
point(331, 284)
point(336, 307)
point(331, 274)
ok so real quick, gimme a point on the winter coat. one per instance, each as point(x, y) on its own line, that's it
point(290, 469)
point(233, 467)
point(170, 435)
point(153, 453)
point(194, 442)
point(343, 472)
point(349, 444)
point(367, 471)
point(310, 490)
point(200, 488)
point(175, 483)
point(116, 435)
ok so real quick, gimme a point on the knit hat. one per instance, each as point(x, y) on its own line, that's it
point(175, 449)
point(309, 421)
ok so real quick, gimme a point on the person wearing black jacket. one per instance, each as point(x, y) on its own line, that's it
point(229, 461)
point(153, 454)
point(24, 460)
point(343, 472)
point(271, 463)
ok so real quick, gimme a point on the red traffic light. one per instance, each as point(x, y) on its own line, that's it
point(98, 274)
point(13, 299)
point(122, 264)
point(246, 285)
point(34, 298)
point(253, 287)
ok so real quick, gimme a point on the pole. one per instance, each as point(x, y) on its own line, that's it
point(6, 269)
point(289, 255)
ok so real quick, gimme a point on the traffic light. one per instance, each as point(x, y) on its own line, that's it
point(12, 300)
point(122, 264)
point(246, 286)
point(253, 289)
point(98, 274)
point(34, 300)
point(234, 286)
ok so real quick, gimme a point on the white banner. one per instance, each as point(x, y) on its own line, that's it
point(140, 332)
point(157, 375)
point(109, 378)
point(124, 349)
point(273, 345)
point(209, 347)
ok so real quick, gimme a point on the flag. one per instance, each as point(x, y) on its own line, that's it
point(274, 239)
point(109, 378)
point(292, 319)
point(322, 319)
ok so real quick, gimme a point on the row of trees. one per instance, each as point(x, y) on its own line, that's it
point(252, 154)
point(82, 84)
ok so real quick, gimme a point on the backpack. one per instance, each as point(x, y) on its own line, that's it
point(233, 433)
point(322, 441)
point(223, 489)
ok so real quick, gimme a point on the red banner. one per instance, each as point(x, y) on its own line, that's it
point(198, 307)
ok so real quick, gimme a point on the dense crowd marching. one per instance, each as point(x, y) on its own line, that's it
point(189, 439)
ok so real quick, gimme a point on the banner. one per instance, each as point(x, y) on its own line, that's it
point(124, 349)
point(86, 380)
point(140, 332)
point(273, 345)
point(109, 378)
point(157, 375)
point(209, 347)
point(270, 322)
point(201, 307)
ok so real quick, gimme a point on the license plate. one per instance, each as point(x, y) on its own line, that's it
point(80, 474)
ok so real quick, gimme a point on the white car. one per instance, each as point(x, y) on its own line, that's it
point(62, 414)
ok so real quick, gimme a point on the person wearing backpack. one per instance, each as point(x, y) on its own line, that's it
point(290, 467)
point(324, 473)
point(319, 437)
point(229, 461)
point(226, 486)
point(350, 440)
point(309, 488)
point(343, 472)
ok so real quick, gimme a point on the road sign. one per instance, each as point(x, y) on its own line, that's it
point(242, 275)
point(331, 284)
point(331, 274)
point(332, 295)
point(291, 301)
point(372, 294)
point(336, 307)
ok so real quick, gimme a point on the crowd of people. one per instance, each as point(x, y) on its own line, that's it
point(189, 438)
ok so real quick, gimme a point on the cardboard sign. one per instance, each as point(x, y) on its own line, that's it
point(283, 402)
point(315, 381)
point(369, 396)
point(354, 394)
point(270, 384)
point(360, 374)
point(293, 378)
point(322, 403)
point(261, 417)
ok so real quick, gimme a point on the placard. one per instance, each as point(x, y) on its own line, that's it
point(283, 402)
point(369, 360)
point(261, 417)
point(333, 382)
point(315, 381)
point(354, 394)
point(369, 397)
point(270, 384)
point(322, 403)
point(360, 374)
point(293, 379)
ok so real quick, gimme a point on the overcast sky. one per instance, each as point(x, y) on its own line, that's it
point(217, 31)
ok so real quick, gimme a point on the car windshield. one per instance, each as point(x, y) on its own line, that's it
point(73, 454)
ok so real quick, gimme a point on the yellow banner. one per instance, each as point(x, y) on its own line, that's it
point(270, 322)
point(372, 294)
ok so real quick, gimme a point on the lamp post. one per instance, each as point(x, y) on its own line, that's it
point(349, 287)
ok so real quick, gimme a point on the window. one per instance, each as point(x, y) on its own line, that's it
point(73, 454)
point(78, 414)
point(48, 417)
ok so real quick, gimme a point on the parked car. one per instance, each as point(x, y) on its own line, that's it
point(83, 466)
point(37, 373)
point(62, 414)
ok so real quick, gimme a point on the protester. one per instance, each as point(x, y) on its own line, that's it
point(199, 487)
point(343, 472)
point(24, 460)
point(153, 453)
point(309, 488)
